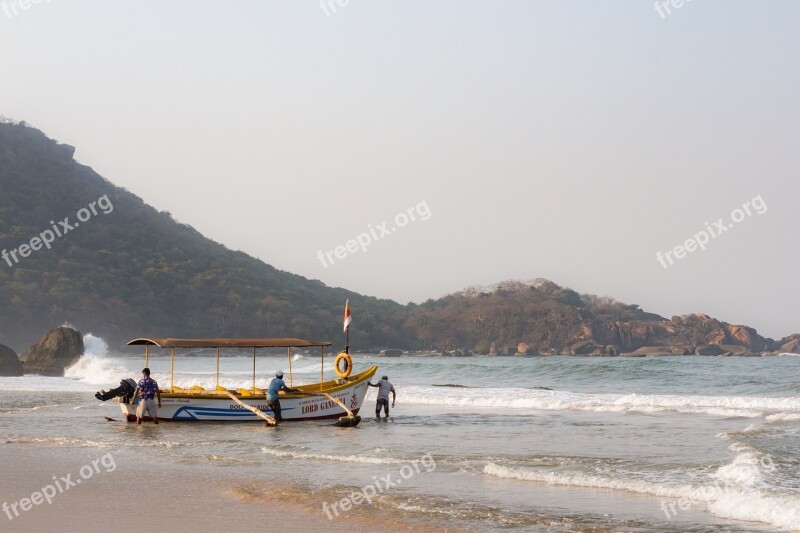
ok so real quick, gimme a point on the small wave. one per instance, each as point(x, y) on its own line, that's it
point(517, 398)
point(783, 417)
point(360, 459)
point(730, 496)
point(56, 441)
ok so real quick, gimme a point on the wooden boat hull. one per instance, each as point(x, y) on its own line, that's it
point(215, 406)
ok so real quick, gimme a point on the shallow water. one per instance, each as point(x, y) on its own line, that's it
point(522, 444)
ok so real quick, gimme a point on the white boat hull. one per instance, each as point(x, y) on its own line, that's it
point(213, 406)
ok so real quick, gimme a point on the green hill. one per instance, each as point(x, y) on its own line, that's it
point(76, 248)
point(136, 271)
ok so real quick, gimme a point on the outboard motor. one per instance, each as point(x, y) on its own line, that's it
point(126, 389)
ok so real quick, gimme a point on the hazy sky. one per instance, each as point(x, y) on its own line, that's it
point(565, 140)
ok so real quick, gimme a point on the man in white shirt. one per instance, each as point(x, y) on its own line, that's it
point(384, 388)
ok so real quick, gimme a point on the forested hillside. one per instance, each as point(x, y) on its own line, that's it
point(136, 271)
point(76, 248)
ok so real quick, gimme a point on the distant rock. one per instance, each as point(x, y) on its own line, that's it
point(681, 350)
point(793, 346)
point(66, 151)
point(57, 351)
point(9, 362)
point(584, 348)
point(735, 349)
point(744, 336)
point(654, 350)
point(709, 349)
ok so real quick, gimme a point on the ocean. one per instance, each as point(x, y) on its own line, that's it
point(474, 444)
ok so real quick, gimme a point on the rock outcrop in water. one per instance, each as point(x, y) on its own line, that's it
point(9, 362)
point(57, 351)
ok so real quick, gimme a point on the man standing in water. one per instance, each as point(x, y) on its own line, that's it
point(273, 400)
point(147, 390)
point(384, 388)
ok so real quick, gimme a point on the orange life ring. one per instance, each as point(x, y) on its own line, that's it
point(348, 365)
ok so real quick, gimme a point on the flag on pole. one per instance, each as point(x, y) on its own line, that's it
point(347, 317)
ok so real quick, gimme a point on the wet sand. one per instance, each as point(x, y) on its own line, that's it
point(122, 492)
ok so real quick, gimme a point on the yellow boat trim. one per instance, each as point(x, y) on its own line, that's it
point(328, 386)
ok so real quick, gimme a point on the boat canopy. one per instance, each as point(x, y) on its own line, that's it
point(288, 343)
point(228, 343)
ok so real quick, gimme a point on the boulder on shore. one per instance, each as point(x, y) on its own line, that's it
point(654, 350)
point(793, 346)
point(709, 349)
point(584, 348)
point(9, 362)
point(58, 350)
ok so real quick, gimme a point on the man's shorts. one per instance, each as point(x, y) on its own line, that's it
point(382, 403)
point(146, 406)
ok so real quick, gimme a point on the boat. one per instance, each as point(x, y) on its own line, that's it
point(316, 401)
point(390, 353)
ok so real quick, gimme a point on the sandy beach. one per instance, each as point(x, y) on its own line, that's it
point(168, 496)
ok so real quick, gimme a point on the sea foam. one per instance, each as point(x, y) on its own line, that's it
point(518, 398)
point(729, 494)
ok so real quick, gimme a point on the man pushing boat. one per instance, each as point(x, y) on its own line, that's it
point(384, 388)
point(273, 399)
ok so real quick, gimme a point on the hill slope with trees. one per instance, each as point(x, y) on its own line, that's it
point(130, 270)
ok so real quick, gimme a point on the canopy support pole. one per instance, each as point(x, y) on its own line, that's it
point(254, 369)
point(321, 366)
point(146, 355)
point(217, 366)
point(172, 370)
point(289, 354)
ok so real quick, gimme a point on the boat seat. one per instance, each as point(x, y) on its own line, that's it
point(221, 388)
point(244, 392)
point(197, 388)
point(258, 391)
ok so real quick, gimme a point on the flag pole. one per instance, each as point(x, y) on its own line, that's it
point(347, 326)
